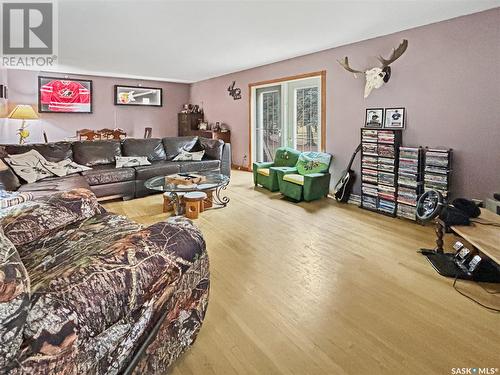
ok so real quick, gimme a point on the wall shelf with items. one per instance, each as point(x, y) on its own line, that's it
point(410, 181)
point(438, 170)
point(379, 168)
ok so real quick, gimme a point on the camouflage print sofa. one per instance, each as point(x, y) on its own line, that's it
point(84, 291)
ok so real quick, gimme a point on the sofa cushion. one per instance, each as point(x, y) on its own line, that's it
point(212, 147)
point(198, 166)
point(14, 300)
point(92, 153)
point(107, 174)
point(294, 178)
point(54, 152)
point(33, 220)
point(174, 145)
point(152, 148)
point(52, 185)
point(263, 171)
point(157, 168)
point(8, 179)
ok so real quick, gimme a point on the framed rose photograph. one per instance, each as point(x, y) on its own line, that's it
point(394, 118)
point(374, 117)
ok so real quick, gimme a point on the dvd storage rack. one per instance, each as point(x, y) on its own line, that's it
point(437, 170)
point(379, 168)
point(410, 181)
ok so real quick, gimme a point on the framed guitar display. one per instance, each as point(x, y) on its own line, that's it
point(138, 96)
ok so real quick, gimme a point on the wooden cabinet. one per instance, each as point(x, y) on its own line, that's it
point(188, 123)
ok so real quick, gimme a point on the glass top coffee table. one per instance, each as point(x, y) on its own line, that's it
point(213, 184)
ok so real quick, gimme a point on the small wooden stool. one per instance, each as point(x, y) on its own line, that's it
point(194, 203)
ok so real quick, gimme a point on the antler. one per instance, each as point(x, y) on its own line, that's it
point(396, 54)
point(345, 64)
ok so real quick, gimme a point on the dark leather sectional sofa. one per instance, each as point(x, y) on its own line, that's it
point(107, 181)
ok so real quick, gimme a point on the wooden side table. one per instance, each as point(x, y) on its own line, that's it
point(194, 203)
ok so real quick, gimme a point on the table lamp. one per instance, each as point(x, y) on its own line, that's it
point(23, 112)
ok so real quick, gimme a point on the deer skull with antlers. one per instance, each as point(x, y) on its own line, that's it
point(376, 77)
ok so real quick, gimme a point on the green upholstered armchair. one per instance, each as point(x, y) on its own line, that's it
point(265, 173)
point(310, 181)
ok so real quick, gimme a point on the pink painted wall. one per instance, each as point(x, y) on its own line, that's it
point(448, 81)
point(23, 86)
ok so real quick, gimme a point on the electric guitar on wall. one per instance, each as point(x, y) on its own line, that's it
point(343, 188)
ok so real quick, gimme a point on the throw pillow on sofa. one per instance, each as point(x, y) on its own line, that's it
point(131, 161)
point(189, 156)
point(29, 166)
point(32, 166)
point(313, 162)
point(65, 167)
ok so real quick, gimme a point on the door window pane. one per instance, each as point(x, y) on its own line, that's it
point(271, 124)
point(307, 118)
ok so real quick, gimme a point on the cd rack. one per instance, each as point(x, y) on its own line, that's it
point(410, 181)
point(438, 170)
point(379, 169)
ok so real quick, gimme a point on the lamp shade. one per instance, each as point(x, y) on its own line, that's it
point(23, 112)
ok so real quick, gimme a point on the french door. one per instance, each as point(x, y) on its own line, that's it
point(286, 114)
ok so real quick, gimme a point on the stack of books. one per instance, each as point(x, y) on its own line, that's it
point(369, 149)
point(408, 212)
point(385, 136)
point(369, 162)
point(387, 192)
point(369, 202)
point(385, 164)
point(386, 206)
point(369, 175)
point(386, 178)
point(409, 181)
point(369, 189)
point(386, 151)
point(369, 135)
point(437, 169)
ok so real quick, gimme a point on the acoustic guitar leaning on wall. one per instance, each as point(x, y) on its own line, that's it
point(343, 187)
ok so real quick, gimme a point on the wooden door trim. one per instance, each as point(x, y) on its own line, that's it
point(321, 74)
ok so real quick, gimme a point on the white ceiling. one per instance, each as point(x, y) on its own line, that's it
point(188, 41)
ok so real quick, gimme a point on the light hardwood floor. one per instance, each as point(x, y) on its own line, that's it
point(325, 288)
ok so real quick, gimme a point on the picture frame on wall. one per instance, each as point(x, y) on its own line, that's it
point(374, 118)
point(394, 118)
point(64, 95)
point(138, 96)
